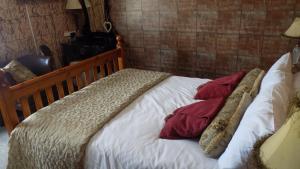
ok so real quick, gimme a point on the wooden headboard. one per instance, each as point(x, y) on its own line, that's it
point(74, 77)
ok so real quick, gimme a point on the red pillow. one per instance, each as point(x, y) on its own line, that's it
point(221, 87)
point(233, 79)
point(212, 90)
point(190, 121)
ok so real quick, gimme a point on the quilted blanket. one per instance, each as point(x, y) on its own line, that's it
point(56, 136)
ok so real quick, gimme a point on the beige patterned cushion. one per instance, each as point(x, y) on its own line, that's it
point(218, 134)
point(19, 72)
point(257, 83)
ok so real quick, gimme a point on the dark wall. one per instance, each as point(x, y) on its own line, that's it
point(203, 38)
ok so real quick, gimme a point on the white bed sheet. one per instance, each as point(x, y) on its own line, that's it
point(131, 139)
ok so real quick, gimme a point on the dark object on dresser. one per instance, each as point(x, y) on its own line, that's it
point(87, 46)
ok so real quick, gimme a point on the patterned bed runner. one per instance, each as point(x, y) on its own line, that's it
point(56, 136)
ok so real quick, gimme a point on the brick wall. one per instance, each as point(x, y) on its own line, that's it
point(203, 38)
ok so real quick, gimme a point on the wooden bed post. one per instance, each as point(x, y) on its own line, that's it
point(7, 105)
point(121, 58)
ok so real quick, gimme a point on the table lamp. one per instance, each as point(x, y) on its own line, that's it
point(294, 32)
point(80, 5)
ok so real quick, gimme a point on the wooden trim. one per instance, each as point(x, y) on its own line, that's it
point(21, 92)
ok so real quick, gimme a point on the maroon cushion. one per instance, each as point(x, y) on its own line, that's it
point(190, 121)
point(221, 87)
point(233, 79)
point(212, 90)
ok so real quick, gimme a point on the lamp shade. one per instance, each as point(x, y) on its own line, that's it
point(75, 4)
point(294, 30)
point(281, 151)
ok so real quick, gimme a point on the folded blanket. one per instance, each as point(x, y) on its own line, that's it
point(56, 136)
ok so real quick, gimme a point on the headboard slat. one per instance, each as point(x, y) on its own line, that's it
point(60, 89)
point(25, 106)
point(49, 95)
point(38, 100)
point(102, 70)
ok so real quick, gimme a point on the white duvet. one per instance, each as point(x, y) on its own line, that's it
point(131, 140)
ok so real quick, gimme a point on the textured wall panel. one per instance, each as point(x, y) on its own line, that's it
point(204, 37)
point(49, 21)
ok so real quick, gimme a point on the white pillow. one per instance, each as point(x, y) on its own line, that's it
point(279, 71)
point(258, 121)
point(284, 63)
point(280, 76)
point(296, 78)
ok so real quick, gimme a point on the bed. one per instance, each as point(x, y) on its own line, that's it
point(138, 145)
point(130, 137)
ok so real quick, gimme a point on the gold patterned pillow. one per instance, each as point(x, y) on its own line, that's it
point(19, 72)
point(218, 134)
